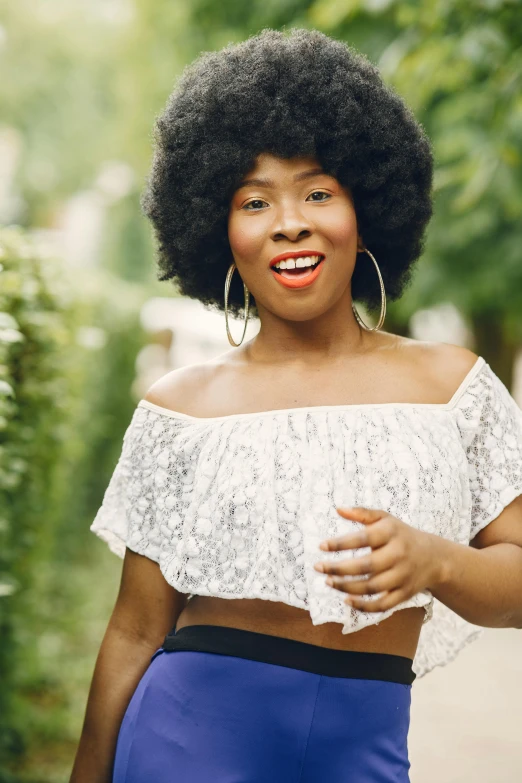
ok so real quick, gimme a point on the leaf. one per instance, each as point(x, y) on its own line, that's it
point(6, 389)
point(11, 336)
point(8, 584)
point(7, 321)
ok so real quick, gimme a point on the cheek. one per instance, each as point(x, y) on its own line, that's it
point(340, 227)
point(245, 236)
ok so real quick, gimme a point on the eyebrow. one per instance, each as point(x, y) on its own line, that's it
point(269, 183)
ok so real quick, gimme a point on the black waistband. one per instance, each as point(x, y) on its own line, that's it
point(289, 652)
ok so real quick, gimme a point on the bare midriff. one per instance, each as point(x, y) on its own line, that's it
point(397, 635)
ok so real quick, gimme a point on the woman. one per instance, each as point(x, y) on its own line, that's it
point(278, 506)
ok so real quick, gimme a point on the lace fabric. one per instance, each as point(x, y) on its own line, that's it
point(236, 506)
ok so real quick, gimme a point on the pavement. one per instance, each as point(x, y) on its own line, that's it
point(466, 717)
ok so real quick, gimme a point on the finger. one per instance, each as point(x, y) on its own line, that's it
point(360, 514)
point(365, 515)
point(376, 535)
point(381, 559)
point(382, 604)
point(392, 579)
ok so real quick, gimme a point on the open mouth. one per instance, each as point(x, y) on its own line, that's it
point(297, 268)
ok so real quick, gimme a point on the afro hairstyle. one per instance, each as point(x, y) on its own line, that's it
point(301, 94)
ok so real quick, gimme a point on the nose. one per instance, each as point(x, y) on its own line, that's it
point(290, 223)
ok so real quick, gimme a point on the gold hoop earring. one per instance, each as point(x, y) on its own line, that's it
point(230, 272)
point(383, 300)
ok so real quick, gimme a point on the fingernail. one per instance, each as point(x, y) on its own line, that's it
point(323, 545)
point(319, 567)
point(329, 580)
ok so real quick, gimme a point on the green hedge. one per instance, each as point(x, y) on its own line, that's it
point(68, 343)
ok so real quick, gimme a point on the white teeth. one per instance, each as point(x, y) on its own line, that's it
point(299, 263)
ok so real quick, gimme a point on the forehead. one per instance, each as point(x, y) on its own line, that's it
point(266, 161)
point(270, 170)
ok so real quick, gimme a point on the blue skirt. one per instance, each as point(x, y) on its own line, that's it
point(223, 705)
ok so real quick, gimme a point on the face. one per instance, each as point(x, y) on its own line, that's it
point(290, 206)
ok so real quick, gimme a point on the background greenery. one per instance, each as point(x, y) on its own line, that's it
point(81, 83)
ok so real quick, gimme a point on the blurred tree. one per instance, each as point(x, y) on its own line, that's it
point(57, 89)
point(459, 66)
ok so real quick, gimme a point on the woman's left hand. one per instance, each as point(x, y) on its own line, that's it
point(403, 560)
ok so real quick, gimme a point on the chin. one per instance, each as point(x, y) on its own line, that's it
point(301, 311)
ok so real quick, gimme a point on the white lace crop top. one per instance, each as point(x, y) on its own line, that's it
point(236, 506)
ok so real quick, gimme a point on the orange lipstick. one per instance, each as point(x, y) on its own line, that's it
point(300, 277)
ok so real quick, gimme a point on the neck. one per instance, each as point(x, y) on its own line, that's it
point(333, 334)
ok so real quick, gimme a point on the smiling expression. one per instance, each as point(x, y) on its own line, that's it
point(290, 210)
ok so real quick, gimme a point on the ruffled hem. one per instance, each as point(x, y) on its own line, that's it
point(116, 544)
point(506, 497)
point(457, 646)
point(441, 639)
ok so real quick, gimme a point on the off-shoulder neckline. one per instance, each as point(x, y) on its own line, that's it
point(477, 366)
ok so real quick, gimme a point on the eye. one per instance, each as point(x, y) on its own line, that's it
point(254, 201)
point(322, 193)
point(249, 208)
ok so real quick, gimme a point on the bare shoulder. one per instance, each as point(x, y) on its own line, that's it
point(180, 389)
point(453, 360)
point(441, 366)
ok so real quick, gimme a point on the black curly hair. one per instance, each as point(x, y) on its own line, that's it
point(302, 94)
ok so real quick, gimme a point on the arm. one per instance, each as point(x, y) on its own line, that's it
point(145, 610)
point(483, 582)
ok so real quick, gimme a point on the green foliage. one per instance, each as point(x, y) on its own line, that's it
point(59, 91)
point(459, 65)
point(31, 345)
point(67, 355)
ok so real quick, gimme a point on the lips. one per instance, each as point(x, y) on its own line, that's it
point(303, 253)
point(297, 268)
point(300, 277)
